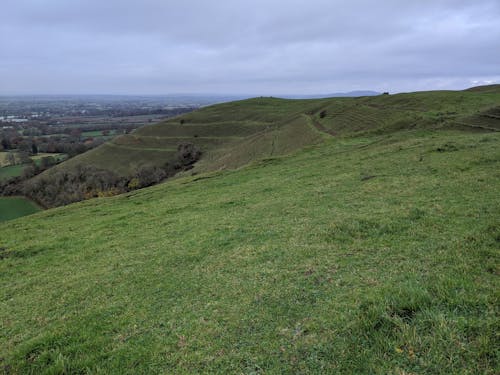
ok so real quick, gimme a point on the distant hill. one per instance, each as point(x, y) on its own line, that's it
point(235, 133)
point(350, 94)
point(486, 89)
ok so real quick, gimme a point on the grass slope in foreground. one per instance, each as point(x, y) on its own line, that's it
point(375, 255)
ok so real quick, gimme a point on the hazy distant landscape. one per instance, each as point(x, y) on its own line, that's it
point(38, 132)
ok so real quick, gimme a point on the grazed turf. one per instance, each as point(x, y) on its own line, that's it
point(367, 255)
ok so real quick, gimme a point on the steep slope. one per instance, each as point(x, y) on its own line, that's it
point(347, 117)
point(421, 110)
point(232, 134)
point(373, 254)
point(208, 128)
point(495, 88)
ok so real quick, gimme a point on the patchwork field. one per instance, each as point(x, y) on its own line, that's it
point(8, 158)
point(38, 157)
point(7, 171)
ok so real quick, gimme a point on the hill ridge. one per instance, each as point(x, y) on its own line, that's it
point(230, 135)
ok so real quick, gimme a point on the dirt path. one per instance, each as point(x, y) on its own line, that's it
point(321, 128)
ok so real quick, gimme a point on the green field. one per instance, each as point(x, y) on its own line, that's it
point(57, 156)
point(42, 155)
point(4, 162)
point(14, 207)
point(375, 251)
point(98, 134)
point(11, 171)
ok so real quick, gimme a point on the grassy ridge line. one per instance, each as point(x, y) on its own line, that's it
point(227, 122)
point(388, 113)
point(287, 137)
point(249, 118)
point(296, 263)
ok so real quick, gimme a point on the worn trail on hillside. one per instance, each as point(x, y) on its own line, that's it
point(320, 127)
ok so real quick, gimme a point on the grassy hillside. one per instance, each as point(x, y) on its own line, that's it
point(209, 128)
point(375, 254)
point(232, 134)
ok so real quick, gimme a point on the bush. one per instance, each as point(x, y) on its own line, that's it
point(61, 187)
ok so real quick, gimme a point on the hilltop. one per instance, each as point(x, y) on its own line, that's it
point(273, 126)
point(314, 236)
point(231, 135)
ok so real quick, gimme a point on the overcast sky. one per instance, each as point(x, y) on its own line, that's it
point(260, 47)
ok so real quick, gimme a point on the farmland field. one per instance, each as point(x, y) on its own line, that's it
point(14, 207)
point(41, 155)
point(11, 171)
point(98, 134)
point(4, 160)
point(59, 157)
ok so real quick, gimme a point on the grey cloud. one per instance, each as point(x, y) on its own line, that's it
point(255, 47)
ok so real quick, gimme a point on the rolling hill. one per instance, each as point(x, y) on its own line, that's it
point(232, 134)
point(346, 236)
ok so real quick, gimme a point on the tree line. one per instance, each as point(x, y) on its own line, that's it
point(59, 187)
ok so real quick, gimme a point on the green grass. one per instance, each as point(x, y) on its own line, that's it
point(42, 155)
point(4, 162)
point(11, 171)
point(59, 157)
point(366, 255)
point(297, 133)
point(14, 207)
point(232, 134)
point(117, 158)
point(98, 134)
point(17, 170)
